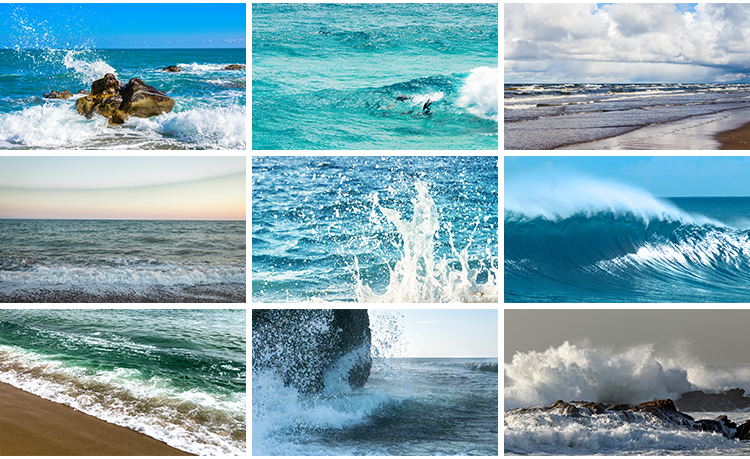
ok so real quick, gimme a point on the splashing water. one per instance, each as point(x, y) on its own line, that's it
point(416, 277)
point(87, 71)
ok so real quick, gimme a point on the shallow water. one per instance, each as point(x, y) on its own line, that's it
point(327, 76)
point(209, 110)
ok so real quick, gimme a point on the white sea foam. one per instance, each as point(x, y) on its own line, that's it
point(554, 434)
point(125, 398)
point(52, 125)
point(556, 196)
point(130, 274)
point(479, 94)
point(417, 277)
point(571, 372)
point(218, 128)
point(203, 68)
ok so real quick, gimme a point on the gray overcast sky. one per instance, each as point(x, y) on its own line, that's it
point(662, 176)
point(626, 42)
point(714, 337)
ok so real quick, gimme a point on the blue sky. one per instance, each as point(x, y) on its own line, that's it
point(445, 332)
point(662, 176)
point(120, 25)
point(626, 42)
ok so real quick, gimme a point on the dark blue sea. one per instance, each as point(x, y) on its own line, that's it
point(122, 261)
point(375, 229)
point(329, 76)
point(209, 110)
point(407, 407)
point(627, 246)
point(177, 375)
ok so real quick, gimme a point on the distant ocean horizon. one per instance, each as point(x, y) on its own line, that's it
point(209, 110)
point(572, 114)
point(122, 260)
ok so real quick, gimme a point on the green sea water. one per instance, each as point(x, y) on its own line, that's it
point(176, 375)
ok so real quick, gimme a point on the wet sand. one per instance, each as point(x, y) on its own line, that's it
point(735, 139)
point(706, 132)
point(31, 425)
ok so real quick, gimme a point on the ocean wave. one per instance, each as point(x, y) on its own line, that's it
point(212, 128)
point(51, 125)
point(185, 419)
point(636, 375)
point(20, 274)
point(479, 94)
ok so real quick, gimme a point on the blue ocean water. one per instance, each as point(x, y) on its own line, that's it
point(328, 75)
point(579, 113)
point(122, 261)
point(623, 245)
point(375, 229)
point(209, 110)
point(176, 375)
point(407, 407)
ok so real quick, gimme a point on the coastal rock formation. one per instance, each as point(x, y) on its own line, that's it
point(662, 411)
point(172, 68)
point(116, 102)
point(234, 67)
point(313, 348)
point(64, 94)
point(698, 400)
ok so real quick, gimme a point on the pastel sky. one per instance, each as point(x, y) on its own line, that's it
point(446, 332)
point(626, 42)
point(661, 176)
point(122, 25)
point(132, 187)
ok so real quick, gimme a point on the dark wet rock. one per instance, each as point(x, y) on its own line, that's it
point(663, 412)
point(698, 400)
point(234, 67)
point(308, 347)
point(116, 102)
point(172, 68)
point(743, 431)
point(64, 94)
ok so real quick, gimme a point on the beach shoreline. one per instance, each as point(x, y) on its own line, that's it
point(31, 425)
point(728, 130)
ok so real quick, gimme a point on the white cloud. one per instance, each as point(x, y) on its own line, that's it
point(583, 42)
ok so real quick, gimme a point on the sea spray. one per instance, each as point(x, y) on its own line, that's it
point(416, 276)
point(636, 375)
point(479, 94)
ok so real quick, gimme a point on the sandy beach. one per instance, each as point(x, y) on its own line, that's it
point(31, 425)
point(727, 130)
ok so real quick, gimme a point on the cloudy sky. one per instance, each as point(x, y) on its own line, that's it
point(627, 42)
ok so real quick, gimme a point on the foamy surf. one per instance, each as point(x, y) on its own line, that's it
point(479, 94)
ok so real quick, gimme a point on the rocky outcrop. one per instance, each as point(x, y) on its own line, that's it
point(64, 94)
point(235, 67)
point(311, 348)
point(172, 68)
point(116, 102)
point(661, 411)
point(698, 400)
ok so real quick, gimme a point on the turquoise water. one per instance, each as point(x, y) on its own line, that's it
point(175, 375)
point(375, 229)
point(122, 260)
point(209, 110)
point(327, 76)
